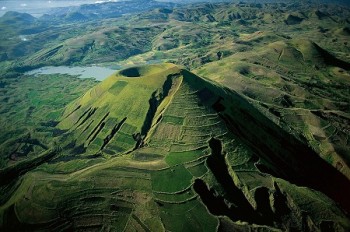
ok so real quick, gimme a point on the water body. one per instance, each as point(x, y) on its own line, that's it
point(99, 73)
point(38, 7)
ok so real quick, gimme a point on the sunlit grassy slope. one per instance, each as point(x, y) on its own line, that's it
point(255, 137)
point(157, 148)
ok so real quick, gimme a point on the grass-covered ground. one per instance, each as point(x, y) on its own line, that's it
point(255, 138)
point(30, 109)
point(182, 157)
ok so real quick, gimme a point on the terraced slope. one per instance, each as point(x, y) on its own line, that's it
point(299, 85)
point(120, 107)
point(157, 148)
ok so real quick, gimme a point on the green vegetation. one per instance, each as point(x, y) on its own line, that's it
point(30, 110)
point(162, 180)
point(116, 162)
point(253, 138)
point(191, 215)
point(174, 158)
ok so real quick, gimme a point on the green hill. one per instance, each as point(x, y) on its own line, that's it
point(299, 86)
point(15, 18)
point(255, 137)
point(157, 148)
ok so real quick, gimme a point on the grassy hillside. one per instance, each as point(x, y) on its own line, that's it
point(191, 35)
point(30, 109)
point(152, 145)
point(226, 116)
point(300, 86)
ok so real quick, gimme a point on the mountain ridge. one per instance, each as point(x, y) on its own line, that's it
point(249, 132)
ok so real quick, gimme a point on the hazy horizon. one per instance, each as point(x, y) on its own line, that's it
point(40, 7)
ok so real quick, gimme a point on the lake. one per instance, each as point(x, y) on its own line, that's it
point(38, 7)
point(99, 73)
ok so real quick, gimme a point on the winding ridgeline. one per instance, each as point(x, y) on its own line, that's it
point(158, 148)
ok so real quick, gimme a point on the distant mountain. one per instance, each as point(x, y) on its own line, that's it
point(12, 17)
point(342, 2)
point(106, 9)
point(75, 16)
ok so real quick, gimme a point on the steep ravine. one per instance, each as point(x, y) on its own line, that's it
point(288, 157)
